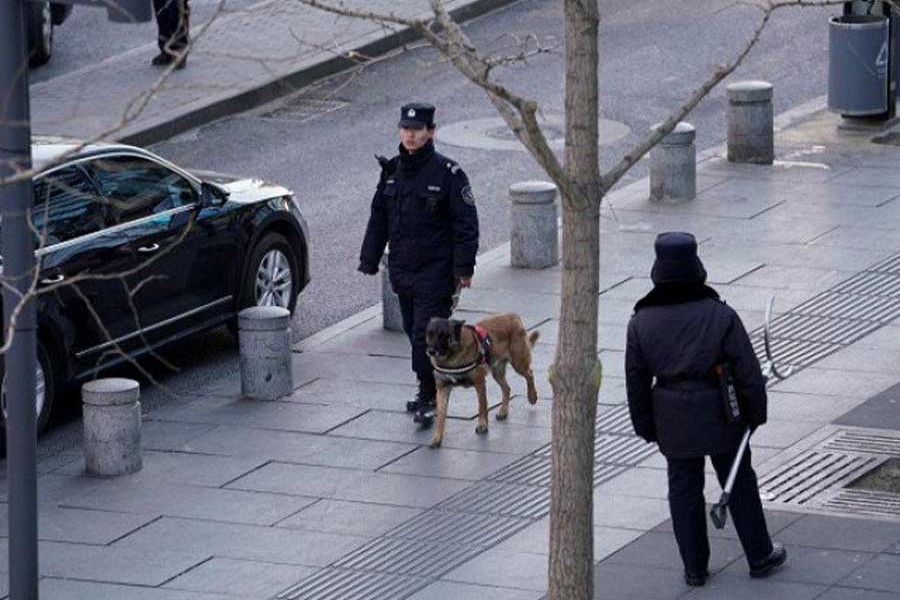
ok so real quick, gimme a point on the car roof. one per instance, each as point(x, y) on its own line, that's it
point(46, 151)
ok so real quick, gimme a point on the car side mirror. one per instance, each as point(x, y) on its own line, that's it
point(212, 195)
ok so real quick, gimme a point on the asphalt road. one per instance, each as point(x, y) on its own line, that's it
point(320, 141)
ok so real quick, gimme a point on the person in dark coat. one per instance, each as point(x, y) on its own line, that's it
point(677, 336)
point(424, 209)
point(173, 25)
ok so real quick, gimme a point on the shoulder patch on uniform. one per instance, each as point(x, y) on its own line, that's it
point(468, 195)
point(454, 169)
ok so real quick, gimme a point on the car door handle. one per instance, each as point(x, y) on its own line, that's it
point(52, 280)
point(148, 249)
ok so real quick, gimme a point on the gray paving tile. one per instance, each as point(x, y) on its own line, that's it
point(346, 484)
point(880, 573)
point(298, 447)
point(170, 436)
point(866, 176)
point(53, 487)
point(831, 382)
point(159, 498)
point(370, 338)
point(783, 434)
point(240, 578)
point(502, 437)
point(863, 360)
point(808, 407)
point(449, 590)
point(349, 392)
point(776, 521)
point(449, 463)
point(184, 467)
point(645, 483)
point(69, 589)
point(726, 587)
point(887, 338)
point(880, 411)
point(808, 280)
point(350, 518)
point(629, 512)
point(518, 570)
point(857, 535)
point(97, 527)
point(659, 551)
point(813, 565)
point(627, 582)
point(288, 416)
point(246, 542)
point(835, 192)
point(535, 539)
point(842, 593)
point(528, 305)
point(384, 369)
point(110, 564)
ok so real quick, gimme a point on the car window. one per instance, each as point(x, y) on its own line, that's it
point(137, 187)
point(66, 206)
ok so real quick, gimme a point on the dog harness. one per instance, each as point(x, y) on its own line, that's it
point(485, 345)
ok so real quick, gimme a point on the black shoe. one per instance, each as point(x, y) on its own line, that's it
point(695, 580)
point(164, 59)
point(775, 559)
point(425, 414)
point(425, 393)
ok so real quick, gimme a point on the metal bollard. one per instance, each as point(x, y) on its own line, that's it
point(265, 342)
point(391, 318)
point(534, 232)
point(751, 135)
point(673, 165)
point(112, 427)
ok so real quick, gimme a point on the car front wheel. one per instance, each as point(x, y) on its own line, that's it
point(40, 33)
point(272, 278)
point(44, 390)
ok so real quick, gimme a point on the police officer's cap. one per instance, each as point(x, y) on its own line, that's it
point(676, 259)
point(416, 115)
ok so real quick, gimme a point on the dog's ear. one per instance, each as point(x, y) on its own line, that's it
point(457, 330)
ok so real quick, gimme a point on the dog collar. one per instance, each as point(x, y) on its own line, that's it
point(484, 355)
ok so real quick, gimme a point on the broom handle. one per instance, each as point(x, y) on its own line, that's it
point(737, 461)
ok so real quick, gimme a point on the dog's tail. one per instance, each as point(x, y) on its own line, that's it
point(533, 338)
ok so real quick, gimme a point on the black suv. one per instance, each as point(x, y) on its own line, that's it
point(135, 252)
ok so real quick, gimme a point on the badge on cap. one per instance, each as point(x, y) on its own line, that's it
point(411, 112)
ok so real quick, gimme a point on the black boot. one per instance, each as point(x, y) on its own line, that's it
point(775, 559)
point(426, 392)
point(425, 413)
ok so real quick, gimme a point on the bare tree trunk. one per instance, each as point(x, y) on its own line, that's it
point(576, 372)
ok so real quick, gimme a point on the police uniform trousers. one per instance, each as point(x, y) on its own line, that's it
point(688, 508)
point(417, 308)
point(173, 23)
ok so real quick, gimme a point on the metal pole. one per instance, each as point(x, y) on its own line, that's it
point(17, 249)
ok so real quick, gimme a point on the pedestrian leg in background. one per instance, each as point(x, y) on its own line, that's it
point(173, 23)
point(688, 509)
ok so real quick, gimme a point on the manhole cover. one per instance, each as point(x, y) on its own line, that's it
point(495, 134)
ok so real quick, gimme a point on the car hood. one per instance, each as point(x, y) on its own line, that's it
point(243, 189)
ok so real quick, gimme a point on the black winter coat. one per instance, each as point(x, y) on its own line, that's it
point(424, 207)
point(679, 332)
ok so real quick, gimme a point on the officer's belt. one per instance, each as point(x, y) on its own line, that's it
point(685, 382)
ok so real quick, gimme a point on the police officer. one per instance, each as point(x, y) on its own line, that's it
point(677, 336)
point(173, 24)
point(424, 207)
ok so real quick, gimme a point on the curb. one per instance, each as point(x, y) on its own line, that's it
point(153, 131)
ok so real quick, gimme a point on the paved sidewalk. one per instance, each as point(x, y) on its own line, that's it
point(332, 492)
point(244, 58)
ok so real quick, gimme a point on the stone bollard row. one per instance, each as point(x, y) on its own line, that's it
point(265, 345)
point(673, 165)
point(751, 134)
point(112, 427)
point(534, 230)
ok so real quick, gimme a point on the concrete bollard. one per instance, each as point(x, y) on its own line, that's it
point(673, 165)
point(751, 135)
point(265, 342)
point(112, 427)
point(534, 231)
point(391, 318)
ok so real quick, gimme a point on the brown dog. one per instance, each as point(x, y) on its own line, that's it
point(462, 355)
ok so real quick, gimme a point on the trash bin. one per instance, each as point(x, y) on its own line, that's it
point(858, 65)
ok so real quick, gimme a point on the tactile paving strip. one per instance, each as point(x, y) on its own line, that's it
point(338, 584)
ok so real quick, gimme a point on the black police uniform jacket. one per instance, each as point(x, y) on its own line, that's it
point(677, 335)
point(424, 208)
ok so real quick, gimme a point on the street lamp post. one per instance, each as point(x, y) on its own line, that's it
point(17, 250)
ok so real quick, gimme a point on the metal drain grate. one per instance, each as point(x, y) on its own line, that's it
point(461, 529)
point(863, 442)
point(390, 555)
point(811, 474)
point(865, 502)
point(337, 584)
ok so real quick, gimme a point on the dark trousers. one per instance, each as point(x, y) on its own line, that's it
point(688, 509)
point(417, 309)
point(173, 24)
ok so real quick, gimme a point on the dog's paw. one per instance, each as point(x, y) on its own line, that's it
point(501, 416)
point(435, 443)
point(481, 429)
point(532, 399)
